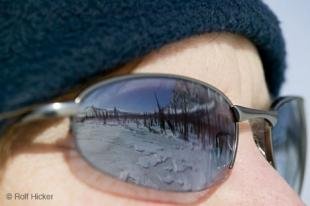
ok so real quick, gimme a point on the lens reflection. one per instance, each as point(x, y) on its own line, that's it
point(289, 142)
point(159, 132)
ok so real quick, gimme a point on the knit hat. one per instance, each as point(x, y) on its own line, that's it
point(47, 47)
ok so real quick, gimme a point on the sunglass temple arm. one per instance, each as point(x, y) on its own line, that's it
point(52, 110)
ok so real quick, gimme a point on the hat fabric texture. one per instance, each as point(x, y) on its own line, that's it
point(47, 47)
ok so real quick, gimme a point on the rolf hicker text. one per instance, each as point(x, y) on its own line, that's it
point(32, 196)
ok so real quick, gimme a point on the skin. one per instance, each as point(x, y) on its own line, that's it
point(51, 165)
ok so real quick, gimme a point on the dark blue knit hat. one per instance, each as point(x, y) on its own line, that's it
point(47, 47)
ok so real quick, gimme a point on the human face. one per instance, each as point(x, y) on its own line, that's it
point(229, 63)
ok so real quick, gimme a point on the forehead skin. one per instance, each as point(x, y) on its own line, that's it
point(225, 61)
point(228, 62)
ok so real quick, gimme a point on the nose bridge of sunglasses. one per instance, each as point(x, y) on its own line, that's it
point(261, 123)
point(243, 113)
point(261, 130)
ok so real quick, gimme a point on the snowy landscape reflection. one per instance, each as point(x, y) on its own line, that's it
point(157, 132)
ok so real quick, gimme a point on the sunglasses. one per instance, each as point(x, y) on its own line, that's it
point(173, 133)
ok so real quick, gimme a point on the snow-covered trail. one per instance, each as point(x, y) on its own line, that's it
point(150, 159)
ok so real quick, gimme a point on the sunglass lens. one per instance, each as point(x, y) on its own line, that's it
point(289, 141)
point(164, 133)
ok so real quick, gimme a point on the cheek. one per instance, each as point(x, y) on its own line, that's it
point(253, 181)
point(49, 173)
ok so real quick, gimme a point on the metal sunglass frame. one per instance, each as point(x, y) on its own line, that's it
point(71, 108)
